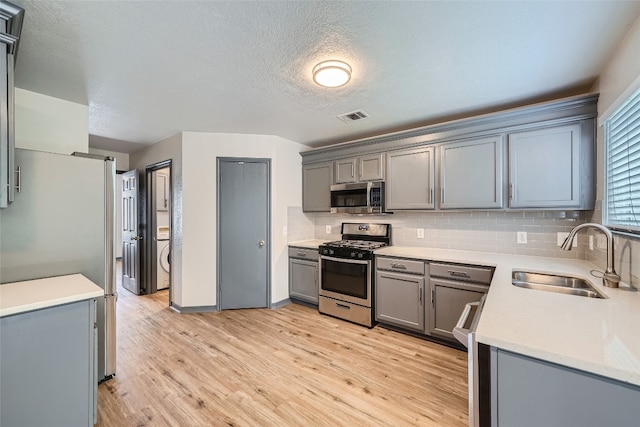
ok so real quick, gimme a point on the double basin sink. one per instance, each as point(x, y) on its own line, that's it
point(555, 283)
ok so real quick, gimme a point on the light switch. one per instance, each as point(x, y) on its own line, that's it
point(420, 233)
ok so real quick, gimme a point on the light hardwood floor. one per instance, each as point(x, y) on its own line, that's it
point(284, 367)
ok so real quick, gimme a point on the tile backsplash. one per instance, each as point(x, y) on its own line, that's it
point(482, 231)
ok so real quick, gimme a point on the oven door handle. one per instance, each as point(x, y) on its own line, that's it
point(460, 332)
point(350, 261)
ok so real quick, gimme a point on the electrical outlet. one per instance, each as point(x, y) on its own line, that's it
point(590, 243)
point(522, 237)
point(284, 231)
point(420, 233)
point(327, 229)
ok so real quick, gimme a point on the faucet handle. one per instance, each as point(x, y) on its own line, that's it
point(611, 280)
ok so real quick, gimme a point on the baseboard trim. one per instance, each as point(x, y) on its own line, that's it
point(197, 309)
point(275, 305)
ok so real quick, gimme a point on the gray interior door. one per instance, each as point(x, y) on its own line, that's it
point(130, 236)
point(243, 230)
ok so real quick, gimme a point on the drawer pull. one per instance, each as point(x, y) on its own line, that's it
point(302, 254)
point(343, 306)
point(399, 266)
point(458, 273)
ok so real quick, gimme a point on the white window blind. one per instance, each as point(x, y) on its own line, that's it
point(622, 137)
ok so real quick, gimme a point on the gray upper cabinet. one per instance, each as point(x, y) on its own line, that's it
point(346, 170)
point(316, 187)
point(11, 18)
point(471, 174)
point(410, 180)
point(363, 168)
point(544, 167)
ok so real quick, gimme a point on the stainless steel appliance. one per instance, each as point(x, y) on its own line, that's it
point(358, 198)
point(346, 273)
point(62, 222)
point(478, 364)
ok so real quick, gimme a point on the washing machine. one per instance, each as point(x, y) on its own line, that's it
point(164, 264)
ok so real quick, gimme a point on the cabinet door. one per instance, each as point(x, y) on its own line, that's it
point(448, 300)
point(400, 300)
point(48, 367)
point(544, 168)
point(316, 187)
point(471, 174)
point(410, 179)
point(346, 170)
point(528, 392)
point(303, 280)
point(371, 168)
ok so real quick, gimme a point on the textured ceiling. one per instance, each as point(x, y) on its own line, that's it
point(150, 69)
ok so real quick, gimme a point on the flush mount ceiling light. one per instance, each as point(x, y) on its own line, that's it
point(332, 73)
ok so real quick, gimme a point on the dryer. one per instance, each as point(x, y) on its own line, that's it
point(163, 267)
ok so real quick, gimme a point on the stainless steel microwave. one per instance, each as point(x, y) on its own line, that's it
point(358, 198)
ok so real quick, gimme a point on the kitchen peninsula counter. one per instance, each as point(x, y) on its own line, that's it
point(20, 297)
point(600, 336)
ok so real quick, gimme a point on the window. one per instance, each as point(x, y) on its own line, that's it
point(621, 205)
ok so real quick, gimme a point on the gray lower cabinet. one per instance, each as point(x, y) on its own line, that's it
point(566, 158)
point(527, 392)
point(316, 187)
point(471, 174)
point(448, 300)
point(303, 275)
point(48, 367)
point(400, 293)
point(410, 180)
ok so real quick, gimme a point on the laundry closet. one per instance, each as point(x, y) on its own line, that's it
point(161, 210)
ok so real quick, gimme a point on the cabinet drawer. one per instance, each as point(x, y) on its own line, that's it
point(467, 273)
point(302, 253)
point(400, 264)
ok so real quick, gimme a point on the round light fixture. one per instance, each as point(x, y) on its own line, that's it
point(332, 73)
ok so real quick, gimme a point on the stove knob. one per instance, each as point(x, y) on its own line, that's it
point(360, 256)
point(330, 251)
point(353, 254)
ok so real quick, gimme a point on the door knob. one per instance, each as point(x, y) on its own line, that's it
point(261, 243)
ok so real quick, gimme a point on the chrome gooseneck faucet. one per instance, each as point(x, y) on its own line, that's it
point(610, 277)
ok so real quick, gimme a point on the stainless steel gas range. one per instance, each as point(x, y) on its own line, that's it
point(346, 272)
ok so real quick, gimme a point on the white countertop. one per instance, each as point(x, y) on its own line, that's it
point(309, 244)
point(601, 336)
point(20, 297)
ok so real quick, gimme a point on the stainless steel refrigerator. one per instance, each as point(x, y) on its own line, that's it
point(62, 222)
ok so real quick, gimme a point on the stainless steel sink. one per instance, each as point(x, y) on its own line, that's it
point(554, 283)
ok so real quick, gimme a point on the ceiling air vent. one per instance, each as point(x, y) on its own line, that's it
point(353, 116)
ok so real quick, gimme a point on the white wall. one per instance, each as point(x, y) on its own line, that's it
point(50, 124)
point(199, 154)
point(619, 79)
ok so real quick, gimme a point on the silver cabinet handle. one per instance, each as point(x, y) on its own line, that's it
point(430, 195)
point(510, 191)
point(261, 243)
point(442, 195)
point(433, 297)
point(352, 170)
point(458, 273)
point(420, 298)
point(18, 179)
point(301, 254)
point(399, 266)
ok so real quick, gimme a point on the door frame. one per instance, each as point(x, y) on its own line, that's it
point(150, 246)
point(219, 160)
